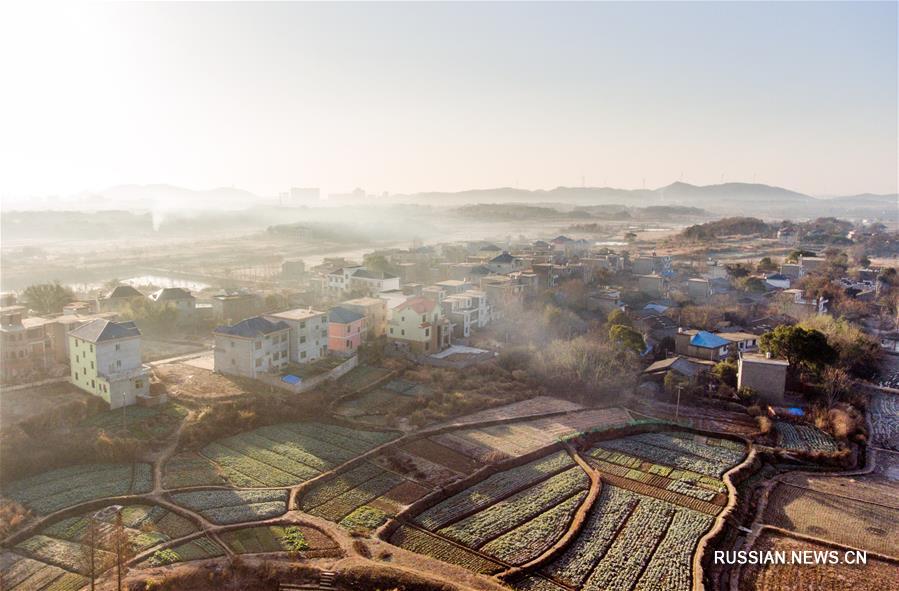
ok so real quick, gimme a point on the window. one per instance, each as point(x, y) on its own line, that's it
point(303, 324)
point(302, 355)
point(258, 345)
point(92, 365)
point(427, 332)
point(349, 344)
point(138, 384)
point(118, 363)
point(232, 344)
point(92, 348)
point(259, 363)
point(348, 329)
point(424, 317)
point(118, 347)
point(403, 332)
point(391, 330)
point(303, 339)
point(93, 383)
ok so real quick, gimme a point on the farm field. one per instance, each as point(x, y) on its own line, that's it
point(190, 469)
point(853, 523)
point(363, 376)
point(147, 423)
point(436, 453)
point(416, 540)
point(278, 455)
point(630, 541)
point(708, 419)
point(884, 413)
point(803, 438)
point(274, 538)
point(876, 575)
point(691, 457)
point(234, 506)
point(519, 438)
point(877, 487)
point(361, 498)
point(197, 549)
point(21, 573)
point(56, 553)
point(537, 406)
point(57, 489)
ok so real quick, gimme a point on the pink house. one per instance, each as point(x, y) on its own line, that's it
point(345, 328)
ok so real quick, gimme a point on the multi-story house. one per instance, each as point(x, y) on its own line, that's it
point(375, 312)
point(119, 298)
point(701, 344)
point(419, 326)
point(252, 347)
point(232, 307)
point(105, 360)
point(505, 263)
point(25, 345)
point(345, 329)
point(178, 299)
point(358, 279)
point(308, 333)
point(466, 311)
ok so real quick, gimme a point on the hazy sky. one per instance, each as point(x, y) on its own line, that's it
point(408, 97)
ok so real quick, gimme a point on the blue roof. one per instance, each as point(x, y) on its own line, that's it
point(291, 379)
point(707, 340)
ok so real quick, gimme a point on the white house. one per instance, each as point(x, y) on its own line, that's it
point(105, 360)
point(308, 333)
point(252, 347)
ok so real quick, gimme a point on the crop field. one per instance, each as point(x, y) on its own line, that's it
point(143, 422)
point(680, 451)
point(479, 528)
point(145, 525)
point(876, 575)
point(519, 438)
point(417, 468)
point(884, 413)
point(283, 455)
point(440, 454)
point(492, 490)
point(373, 406)
point(198, 549)
point(266, 539)
point(337, 498)
point(857, 524)
point(51, 491)
point(363, 376)
point(422, 542)
point(629, 542)
point(803, 438)
point(234, 506)
point(190, 469)
point(539, 405)
point(21, 573)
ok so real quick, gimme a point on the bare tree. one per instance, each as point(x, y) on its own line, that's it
point(89, 542)
point(835, 383)
point(122, 547)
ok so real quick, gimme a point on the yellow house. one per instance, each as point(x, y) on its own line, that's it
point(419, 326)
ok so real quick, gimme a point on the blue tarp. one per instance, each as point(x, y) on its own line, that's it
point(292, 379)
point(707, 340)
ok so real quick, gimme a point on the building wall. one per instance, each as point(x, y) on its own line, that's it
point(308, 337)
point(345, 339)
point(768, 379)
point(24, 351)
point(97, 367)
point(250, 357)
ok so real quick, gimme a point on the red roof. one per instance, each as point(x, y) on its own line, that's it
point(419, 304)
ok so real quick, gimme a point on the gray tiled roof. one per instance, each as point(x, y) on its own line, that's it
point(171, 293)
point(124, 291)
point(343, 316)
point(100, 330)
point(252, 327)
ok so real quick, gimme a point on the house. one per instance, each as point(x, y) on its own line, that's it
point(812, 264)
point(345, 329)
point(789, 236)
point(653, 285)
point(233, 306)
point(419, 326)
point(179, 299)
point(699, 289)
point(764, 375)
point(375, 312)
point(465, 311)
point(293, 270)
point(252, 347)
point(453, 286)
point(687, 367)
point(701, 344)
point(360, 280)
point(505, 263)
point(791, 270)
point(777, 281)
point(605, 300)
point(308, 333)
point(795, 304)
point(58, 330)
point(81, 308)
point(740, 342)
point(105, 360)
point(119, 298)
point(25, 345)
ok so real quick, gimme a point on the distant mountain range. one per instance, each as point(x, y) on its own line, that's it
point(727, 198)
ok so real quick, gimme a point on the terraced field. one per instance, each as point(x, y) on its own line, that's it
point(278, 538)
point(197, 549)
point(884, 413)
point(234, 506)
point(806, 438)
point(279, 455)
point(522, 437)
point(58, 489)
point(681, 451)
point(21, 573)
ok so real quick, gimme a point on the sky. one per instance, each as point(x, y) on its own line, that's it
point(413, 97)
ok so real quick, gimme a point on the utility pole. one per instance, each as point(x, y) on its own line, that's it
point(677, 408)
point(124, 418)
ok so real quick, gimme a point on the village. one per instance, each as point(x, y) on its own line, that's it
point(452, 362)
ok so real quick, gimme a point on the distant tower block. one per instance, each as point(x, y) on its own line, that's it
point(304, 195)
